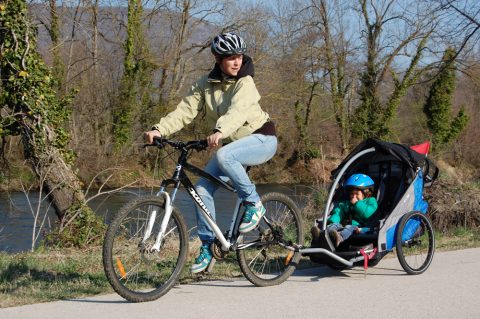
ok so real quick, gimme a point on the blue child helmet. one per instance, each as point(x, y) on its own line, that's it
point(360, 181)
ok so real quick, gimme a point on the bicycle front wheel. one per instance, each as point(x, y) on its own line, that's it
point(135, 270)
point(262, 255)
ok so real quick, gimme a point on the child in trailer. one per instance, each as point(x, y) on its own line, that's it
point(350, 216)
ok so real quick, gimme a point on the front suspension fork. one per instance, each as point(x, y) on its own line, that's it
point(163, 226)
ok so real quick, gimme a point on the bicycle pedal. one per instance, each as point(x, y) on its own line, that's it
point(210, 266)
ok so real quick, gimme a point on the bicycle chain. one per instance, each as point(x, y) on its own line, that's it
point(217, 251)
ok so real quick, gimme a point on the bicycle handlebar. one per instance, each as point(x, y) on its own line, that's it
point(198, 145)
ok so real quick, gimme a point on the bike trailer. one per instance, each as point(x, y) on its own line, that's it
point(400, 174)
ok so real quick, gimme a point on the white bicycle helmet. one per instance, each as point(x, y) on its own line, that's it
point(228, 44)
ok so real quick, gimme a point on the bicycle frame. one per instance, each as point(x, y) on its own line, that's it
point(180, 178)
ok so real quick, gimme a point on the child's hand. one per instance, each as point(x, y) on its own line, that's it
point(356, 195)
point(357, 230)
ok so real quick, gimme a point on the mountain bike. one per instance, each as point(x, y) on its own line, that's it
point(146, 244)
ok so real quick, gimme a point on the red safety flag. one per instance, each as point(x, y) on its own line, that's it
point(421, 148)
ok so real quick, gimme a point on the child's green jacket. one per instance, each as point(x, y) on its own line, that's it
point(345, 213)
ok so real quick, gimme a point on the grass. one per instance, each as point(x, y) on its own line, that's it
point(458, 238)
point(27, 278)
point(49, 275)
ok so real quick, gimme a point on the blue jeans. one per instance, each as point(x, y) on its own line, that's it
point(346, 231)
point(229, 163)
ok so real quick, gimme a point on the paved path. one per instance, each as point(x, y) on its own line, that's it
point(449, 289)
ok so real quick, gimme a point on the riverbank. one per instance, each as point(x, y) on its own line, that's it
point(48, 275)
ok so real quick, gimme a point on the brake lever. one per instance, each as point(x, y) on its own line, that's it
point(157, 142)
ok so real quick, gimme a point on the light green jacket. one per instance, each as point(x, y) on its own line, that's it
point(229, 106)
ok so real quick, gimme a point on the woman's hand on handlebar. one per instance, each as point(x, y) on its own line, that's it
point(214, 139)
point(149, 135)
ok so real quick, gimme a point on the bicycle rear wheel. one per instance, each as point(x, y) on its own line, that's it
point(415, 242)
point(135, 271)
point(262, 256)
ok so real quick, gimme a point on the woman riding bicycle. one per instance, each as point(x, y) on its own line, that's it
point(230, 101)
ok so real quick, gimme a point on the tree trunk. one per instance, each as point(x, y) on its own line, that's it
point(31, 108)
point(63, 187)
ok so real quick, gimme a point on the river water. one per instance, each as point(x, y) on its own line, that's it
point(17, 211)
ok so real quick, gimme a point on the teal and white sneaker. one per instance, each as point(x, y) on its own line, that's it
point(203, 260)
point(252, 216)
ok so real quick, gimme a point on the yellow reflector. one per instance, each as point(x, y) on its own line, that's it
point(121, 269)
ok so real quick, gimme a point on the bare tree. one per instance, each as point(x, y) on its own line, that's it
point(335, 53)
point(181, 49)
point(461, 23)
point(53, 26)
point(384, 44)
point(312, 39)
